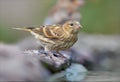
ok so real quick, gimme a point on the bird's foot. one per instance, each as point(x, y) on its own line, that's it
point(42, 52)
point(61, 55)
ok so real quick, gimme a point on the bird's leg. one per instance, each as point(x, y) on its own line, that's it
point(49, 53)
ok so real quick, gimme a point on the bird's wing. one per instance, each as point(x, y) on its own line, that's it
point(51, 31)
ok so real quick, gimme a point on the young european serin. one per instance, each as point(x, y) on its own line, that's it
point(55, 37)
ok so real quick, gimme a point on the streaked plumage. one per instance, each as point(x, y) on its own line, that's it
point(56, 37)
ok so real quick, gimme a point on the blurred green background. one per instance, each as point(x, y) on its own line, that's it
point(98, 16)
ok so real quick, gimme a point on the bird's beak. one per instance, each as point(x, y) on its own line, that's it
point(80, 26)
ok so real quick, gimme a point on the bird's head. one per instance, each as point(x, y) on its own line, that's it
point(72, 26)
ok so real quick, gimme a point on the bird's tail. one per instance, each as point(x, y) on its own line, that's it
point(25, 28)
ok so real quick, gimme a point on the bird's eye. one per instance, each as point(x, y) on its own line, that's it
point(71, 24)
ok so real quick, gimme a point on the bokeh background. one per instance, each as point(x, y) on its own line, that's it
point(98, 16)
point(97, 49)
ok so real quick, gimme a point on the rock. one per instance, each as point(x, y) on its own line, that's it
point(17, 66)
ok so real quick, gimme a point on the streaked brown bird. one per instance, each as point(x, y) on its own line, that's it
point(55, 37)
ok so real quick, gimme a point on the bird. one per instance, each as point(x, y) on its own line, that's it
point(56, 37)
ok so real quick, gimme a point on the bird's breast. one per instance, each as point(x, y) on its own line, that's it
point(65, 43)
